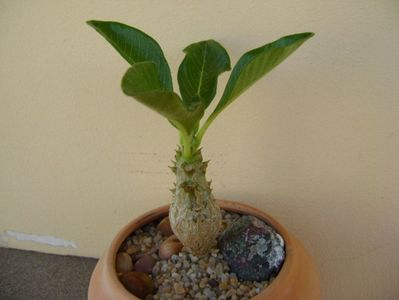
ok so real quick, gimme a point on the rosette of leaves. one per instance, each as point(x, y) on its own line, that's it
point(194, 215)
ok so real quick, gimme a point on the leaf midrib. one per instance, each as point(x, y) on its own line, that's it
point(202, 70)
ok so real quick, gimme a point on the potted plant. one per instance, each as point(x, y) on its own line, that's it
point(194, 215)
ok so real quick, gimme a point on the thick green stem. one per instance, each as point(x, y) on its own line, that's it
point(186, 145)
point(185, 140)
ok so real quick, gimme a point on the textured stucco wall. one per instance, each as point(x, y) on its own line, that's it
point(315, 143)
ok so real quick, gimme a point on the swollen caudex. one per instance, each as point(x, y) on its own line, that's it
point(194, 215)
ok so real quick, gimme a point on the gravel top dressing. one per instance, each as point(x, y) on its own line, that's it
point(152, 264)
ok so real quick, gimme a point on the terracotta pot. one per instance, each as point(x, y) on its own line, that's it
point(298, 278)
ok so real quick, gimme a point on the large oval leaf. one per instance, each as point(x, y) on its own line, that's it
point(141, 82)
point(198, 72)
point(256, 63)
point(135, 46)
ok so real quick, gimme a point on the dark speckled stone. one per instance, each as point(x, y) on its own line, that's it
point(253, 249)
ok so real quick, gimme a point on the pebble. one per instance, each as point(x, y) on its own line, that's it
point(182, 275)
point(169, 247)
point(145, 264)
point(213, 283)
point(193, 258)
point(123, 263)
point(186, 265)
point(203, 283)
point(165, 228)
point(234, 281)
point(132, 249)
point(211, 262)
point(224, 285)
point(179, 288)
point(139, 284)
point(147, 241)
point(253, 249)
point(209, 293)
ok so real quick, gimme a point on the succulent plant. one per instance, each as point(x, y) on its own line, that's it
point(194, 215)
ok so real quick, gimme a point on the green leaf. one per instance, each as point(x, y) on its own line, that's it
point(141, 82)
point(135, 46)
point(142, 77)
point(252, 66)
point(198, 72)
point(256, 63)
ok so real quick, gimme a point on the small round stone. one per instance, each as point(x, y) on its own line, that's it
point(193, 258)
point(211, 262)
point(224, 285)
point(203, 282)
point(148, 241)
point(209, 293)
point(164, 227)
point(169, 247)
point(145, 264)
point(132, 249)
point(234, 281)
point(213, 283)
point(139, 284)
point(179, 288)
point(123, 263)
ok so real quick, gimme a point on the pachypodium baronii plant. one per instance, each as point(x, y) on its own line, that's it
point(194, 215)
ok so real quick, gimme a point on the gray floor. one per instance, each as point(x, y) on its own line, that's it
point(26, 275)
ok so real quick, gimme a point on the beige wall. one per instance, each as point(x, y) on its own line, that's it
point(315, 143)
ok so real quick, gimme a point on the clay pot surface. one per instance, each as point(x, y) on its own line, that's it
point(297, 279)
